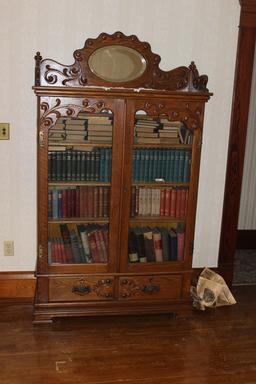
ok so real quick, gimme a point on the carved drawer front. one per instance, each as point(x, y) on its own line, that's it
point(150, 287)
point(81, 288)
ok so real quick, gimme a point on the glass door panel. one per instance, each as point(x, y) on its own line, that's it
point(79, 179)
point(161, 160)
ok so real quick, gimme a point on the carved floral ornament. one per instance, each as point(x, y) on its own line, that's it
point(51, 73)
point(189, 113)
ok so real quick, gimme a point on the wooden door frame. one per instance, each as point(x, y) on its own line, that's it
point(237, 138)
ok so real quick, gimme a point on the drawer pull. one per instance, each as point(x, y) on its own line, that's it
point(151, 288)
point(81, 289)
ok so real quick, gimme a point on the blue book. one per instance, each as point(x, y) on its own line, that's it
point(133, 164)
point(102, 164)
point(172, 245)
point(83, 166)
point(137, 171)
point(176, 164)
point(150, 165)
point(155, 159)
point(186, 169)
point(167, 164)
point(55, 212)
point(171, 167)
point(181, 166)
point(146, 168)
point(142, 165)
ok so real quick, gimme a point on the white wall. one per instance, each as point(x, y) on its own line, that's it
point(247, 211)
point(179, 31)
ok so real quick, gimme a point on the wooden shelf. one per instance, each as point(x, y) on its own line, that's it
point(74, 220)
point(156, 219)
point(160, 146)
point(78, 183)
point(72, 145)
point(158, 184)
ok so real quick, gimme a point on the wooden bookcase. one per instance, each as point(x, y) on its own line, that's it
point(119, 144)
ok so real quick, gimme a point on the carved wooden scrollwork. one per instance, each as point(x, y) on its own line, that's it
point(189, 113)
point(130, 287)
point(104, 288)
point(57, 107)
point(79, 74)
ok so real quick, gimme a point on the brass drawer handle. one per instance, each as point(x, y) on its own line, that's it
point(81, 289)
point(151, 288)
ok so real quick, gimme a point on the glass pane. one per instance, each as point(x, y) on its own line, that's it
point(77, 243)
point(117, 63)
point(79, 175)
point(160, 189)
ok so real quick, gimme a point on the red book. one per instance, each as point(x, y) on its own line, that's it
point(186, 202)
point(173, 202)
point(100, 202)
point(64, 203)
point(95, 202)
point(93, 247)
point(180, 245)
point(178, 202)
point(103, 246)
point(69, 203)
point(183, 203)
point(162, 201)
point(167, 202)
point(73, 202)
point(77, 212)
point(106, 195)
point(89, 201)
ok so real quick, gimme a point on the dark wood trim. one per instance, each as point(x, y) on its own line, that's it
point(246, 239)
point(17, 285)
point(237, 139)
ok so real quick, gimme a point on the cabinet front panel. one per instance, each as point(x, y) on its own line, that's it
point(150, 287)
point(81, 288)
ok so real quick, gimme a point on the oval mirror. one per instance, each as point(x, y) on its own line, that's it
point(117, 63)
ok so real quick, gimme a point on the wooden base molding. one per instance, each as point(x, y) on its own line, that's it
point(246, 239)
point(17, 285)
point(21, 285)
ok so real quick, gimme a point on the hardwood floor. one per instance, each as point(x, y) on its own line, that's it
point(218, 346)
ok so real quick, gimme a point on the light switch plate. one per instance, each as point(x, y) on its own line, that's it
point(4, 131)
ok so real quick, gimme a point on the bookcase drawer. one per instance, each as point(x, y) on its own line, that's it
point(150, 287)
point(82, 288)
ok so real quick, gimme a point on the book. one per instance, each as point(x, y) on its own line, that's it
point(149, 245)
point(158, 248)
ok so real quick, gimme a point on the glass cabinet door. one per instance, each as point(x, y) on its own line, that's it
point(160, 180)
point(79, 179)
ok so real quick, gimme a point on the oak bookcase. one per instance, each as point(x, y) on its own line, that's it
point(119, 144)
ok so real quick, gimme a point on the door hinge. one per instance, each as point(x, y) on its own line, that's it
point(40, 251)
point(41, 138)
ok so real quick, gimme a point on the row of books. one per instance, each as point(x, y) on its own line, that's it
point(160, 131)
point(157, 244)
point(165, 164)
point(83, 244)
point(75, 165)
point(170, 202)
point(75, 202)
point(83, 129)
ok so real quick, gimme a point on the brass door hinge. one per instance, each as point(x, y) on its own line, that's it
point(40, 251)
point(41, 138)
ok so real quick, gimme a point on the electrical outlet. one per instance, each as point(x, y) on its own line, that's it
point(8, 248)
point(4, 131)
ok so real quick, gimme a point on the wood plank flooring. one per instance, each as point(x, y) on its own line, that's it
point(217, 346)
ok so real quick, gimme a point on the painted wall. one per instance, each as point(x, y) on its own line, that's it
point(247, 211)
point(179, 31)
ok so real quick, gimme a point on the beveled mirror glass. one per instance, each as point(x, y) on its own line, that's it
point(117, 63)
